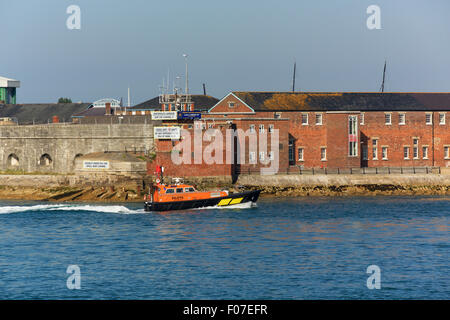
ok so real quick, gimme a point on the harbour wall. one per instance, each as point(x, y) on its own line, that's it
point(53, 148)
point(41, 181)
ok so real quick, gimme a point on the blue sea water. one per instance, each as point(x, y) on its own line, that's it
point(290, 248)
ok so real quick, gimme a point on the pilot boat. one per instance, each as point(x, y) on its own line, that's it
point(180, 196)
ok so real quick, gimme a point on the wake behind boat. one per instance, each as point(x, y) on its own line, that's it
point(179, 196)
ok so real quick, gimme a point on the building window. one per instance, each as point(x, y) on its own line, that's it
point(300, 154)
point(361, 118)
point(406, 153)
point(133, 113)
point(416, 148)
point(375, 149)
point(252, 128)
point(304, 119)
point(261, 128)
point(271, 128)
point(277, 115)
point(384, 153)
point(210, 125)
point(323, 154)
point(252, 157)
point(401, 119)
point(388, 118)
point(446, 152)
point(428, 118)
point(353, 136)
point(231, 104)
point(365, 153)
point(271, 156)
point(425, 152)
point(143, 113)
point(261, 156)
point(318, 119)
point(441, 118)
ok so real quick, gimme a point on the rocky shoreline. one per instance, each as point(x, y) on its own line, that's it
point(131, 194)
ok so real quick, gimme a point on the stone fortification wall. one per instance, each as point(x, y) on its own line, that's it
point(55, 147)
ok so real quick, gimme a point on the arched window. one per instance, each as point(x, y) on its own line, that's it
point(13, 160)
point(45, 160)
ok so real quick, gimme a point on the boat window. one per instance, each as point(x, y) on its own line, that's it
point(191, 190)
point(170, 191)
point(187, 190)
point(179, 190)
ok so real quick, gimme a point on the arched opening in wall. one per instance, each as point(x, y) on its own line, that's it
point(75, 159)
point(45, 160)
point(13, 160)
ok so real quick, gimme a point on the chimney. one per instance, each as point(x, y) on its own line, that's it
point(108, 108)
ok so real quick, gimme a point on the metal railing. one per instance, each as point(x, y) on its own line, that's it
point(297, 170)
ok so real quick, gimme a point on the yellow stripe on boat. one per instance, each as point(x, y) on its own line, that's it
point(224, 202)
point(237, 200)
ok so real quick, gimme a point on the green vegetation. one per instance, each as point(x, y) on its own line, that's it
point(64, 100)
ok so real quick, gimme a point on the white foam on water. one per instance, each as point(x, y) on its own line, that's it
point(70, 207)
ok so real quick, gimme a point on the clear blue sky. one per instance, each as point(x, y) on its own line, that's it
point(232, 45)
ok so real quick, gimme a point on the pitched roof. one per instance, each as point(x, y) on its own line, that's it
point(201, 102)
point(345, 101)
point(41, 113)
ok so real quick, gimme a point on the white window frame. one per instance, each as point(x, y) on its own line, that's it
point(261, 128)
point(384, 153)
point(361, 119)
point(303, 154)
point(262, 156)
point(447, 152)
point(252, 157)
point(323, 153)
point(320, 115)
point(402, 116)
point(307, 119)
point(375, 148)
point(271, 156)
point(431, 118)
point(442, 114)
point(388, 123)
point(425, 154)
point(231, 104)
point(252, 128)
point(271, 127)
point(406, 150)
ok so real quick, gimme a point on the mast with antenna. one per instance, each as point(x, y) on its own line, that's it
point(293, 77)
point(384, 77)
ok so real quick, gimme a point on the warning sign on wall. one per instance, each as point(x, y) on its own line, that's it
point(166, 133)
point(96, 164)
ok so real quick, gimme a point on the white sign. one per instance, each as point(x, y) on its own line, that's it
point(96, 164)
point(166, 132)
point(164, 115)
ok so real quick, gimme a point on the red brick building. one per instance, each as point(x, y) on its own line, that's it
point(351, 130)
point(314, 130)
